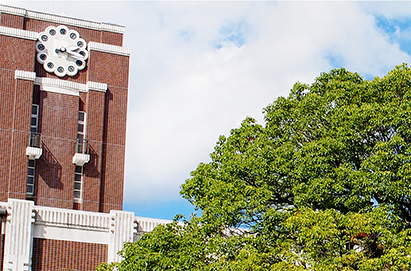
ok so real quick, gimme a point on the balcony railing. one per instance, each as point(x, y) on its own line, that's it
point(82, 146)
point(35, 140)
point(82, 155)
point(34, 150)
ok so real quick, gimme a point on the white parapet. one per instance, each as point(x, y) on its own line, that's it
point(18, 235)
point(148, 224)
point(144, 224)
point(26, 221)
point(71, 225)
point(58, 19)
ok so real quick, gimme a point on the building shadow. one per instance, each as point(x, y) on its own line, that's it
point(91, 168)
point(108, 100)
point(50, 169)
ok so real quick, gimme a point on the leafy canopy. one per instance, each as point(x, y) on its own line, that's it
point(325, 184)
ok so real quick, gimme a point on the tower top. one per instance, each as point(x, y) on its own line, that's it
point(115, 28)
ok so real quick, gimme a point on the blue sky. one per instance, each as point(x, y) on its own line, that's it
point(199, 68)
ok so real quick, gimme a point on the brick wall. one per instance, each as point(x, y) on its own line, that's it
point(15, 115)
point(10, 20)
point(17, 54)
point(95, 106)
point(101, 69)
point(1, 246)
point(53, 255)
point(6, 124)
point(20, 141)
point(55, 170)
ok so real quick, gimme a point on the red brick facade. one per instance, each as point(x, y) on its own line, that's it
point(67, 255)
point(103, 176)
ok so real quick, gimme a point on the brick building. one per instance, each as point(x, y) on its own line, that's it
point(63, 86)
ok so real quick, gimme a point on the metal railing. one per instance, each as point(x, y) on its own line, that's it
point(82, 146)
point(35, 140)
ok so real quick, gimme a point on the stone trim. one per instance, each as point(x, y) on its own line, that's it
point(122, 229)
point(96, 86)
point(58, 85)
point(71, 234)
point(13, 10)
point(68, 87)
point(108, 48)
point(67, 218)
point(18, 33)
point(25, 75)
point(18, 235)
point(62, 19)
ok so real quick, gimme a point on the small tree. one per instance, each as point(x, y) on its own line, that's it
point(323, 185)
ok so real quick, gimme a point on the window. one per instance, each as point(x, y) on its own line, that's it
point(81, 148)
point(78, 182)
point(81, 126)
point(81, 133)
point(34, 125)
point(31, 177)
point(34, 142)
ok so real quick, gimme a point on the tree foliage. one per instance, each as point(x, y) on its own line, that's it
point(325, 184)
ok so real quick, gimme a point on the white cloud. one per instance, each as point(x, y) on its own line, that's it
point(387, 8)
point(198, 92)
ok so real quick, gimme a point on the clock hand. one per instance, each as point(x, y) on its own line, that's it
point(73, 48)
point(69, 50)
point(75, 55)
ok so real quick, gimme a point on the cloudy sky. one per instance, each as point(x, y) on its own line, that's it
point(199, 68)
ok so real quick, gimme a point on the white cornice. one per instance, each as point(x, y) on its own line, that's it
point(96, 86)
point(13, 10)
point(59, 217)
point(18, 33)
point(24, 75)
point(58, 85)
point(62, 19)
point(108, 48)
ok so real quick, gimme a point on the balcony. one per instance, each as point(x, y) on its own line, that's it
point(34, 150)
point(82, 155)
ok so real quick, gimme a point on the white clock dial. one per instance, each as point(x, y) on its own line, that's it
point(61, 51)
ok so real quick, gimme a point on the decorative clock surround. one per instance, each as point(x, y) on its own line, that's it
point(61, 51)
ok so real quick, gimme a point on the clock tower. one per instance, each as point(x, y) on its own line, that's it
point(64, 85)
point(63, 91)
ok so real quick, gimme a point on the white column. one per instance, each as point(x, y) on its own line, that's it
point(122, 227)
point(18, 235)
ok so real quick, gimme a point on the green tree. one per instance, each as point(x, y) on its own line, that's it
point(325, 184)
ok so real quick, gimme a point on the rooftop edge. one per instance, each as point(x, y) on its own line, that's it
point(62, 19)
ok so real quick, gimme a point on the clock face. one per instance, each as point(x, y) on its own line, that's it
point(61, 51)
